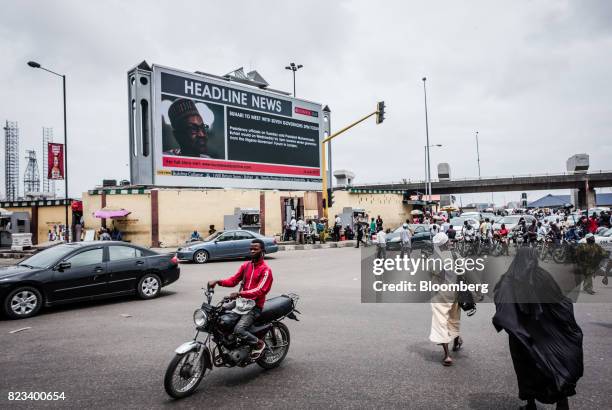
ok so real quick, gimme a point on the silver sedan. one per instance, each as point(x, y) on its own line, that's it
point(229, 244)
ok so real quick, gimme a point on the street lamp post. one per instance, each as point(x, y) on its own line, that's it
point(427, 168)
point(478, 154)
point(293, 67)
point(34, 64)
point(427, 135)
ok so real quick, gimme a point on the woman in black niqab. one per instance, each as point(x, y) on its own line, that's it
point(545, 340)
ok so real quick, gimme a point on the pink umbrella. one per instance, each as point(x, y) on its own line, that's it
point(105, 213)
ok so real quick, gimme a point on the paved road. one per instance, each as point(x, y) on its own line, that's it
point(344, 354)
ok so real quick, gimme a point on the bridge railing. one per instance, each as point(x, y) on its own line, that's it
point(548, 174)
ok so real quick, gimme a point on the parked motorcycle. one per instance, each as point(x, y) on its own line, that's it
point(222, 348)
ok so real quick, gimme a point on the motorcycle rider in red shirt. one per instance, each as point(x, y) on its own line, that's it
point(256, 278)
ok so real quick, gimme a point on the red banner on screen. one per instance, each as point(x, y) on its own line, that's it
point(55, 159)
point(198, 163)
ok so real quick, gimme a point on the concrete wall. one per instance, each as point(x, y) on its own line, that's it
point(136, 227)
point(389, 206)
point(49, 216)
point(182, 211)
point(91, 203)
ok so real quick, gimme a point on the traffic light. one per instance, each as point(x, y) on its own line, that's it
point(380, 112)
point(330, 197)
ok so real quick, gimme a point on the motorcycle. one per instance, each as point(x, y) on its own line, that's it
point(499, 245)
point(566, 252)
point(222, 348)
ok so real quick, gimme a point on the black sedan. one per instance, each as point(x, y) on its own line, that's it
point(83, 271)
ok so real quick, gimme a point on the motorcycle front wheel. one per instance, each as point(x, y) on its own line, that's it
point(184, 374)
point(277, 346)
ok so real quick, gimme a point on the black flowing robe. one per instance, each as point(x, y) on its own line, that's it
point(545, 340)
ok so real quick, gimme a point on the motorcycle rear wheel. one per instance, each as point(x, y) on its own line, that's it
point(184, 367)
point(277, 342)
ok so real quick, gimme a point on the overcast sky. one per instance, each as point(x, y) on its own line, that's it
point(533, 77)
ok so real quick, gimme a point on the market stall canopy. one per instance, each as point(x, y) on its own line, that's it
point(106, 213)
point(416, 212)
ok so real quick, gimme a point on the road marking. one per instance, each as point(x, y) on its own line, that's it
point(125, 315)
point(19, 330)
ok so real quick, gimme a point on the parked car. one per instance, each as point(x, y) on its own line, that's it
point(458, 224)
point(472, 214)
point(83, 271)
point(421, 237)
point(224, 245)
point(492, 217)
point(511, 221)
point(601, 238)
point(598, 210)
point(552, 219)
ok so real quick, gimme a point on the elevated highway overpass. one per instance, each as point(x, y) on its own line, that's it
point(583, 182)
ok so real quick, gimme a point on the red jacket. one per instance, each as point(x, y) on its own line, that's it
point(256, 279)
point(592, 225)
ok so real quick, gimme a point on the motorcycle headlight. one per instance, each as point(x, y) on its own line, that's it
point(200, 318)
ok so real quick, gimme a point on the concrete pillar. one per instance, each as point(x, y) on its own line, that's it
point(586, 196)
point(34, 224)
point(154, 219)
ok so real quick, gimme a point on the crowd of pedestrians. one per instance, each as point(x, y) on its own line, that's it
point(545, 341)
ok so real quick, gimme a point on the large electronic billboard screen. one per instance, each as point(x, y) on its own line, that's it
point(216, 133)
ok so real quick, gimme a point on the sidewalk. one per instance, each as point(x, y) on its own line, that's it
point(327, 245)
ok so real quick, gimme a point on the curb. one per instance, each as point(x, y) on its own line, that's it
point(343, 244)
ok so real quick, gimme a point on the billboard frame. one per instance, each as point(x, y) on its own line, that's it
point(170, 169)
